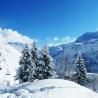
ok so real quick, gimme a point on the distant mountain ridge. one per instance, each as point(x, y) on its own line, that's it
point(88, 36)
point(86, 43)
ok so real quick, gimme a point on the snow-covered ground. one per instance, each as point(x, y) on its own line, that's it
point(50, 88)
point(11, 44)
point(9, 58)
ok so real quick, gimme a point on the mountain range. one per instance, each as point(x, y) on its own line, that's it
point(65, 54)
point(87, 44)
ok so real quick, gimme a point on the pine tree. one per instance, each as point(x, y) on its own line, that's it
point(34, 52)
point(38, 61)
point(26, 69)
point(81, 74)
point(47, 64)
point(39, 69)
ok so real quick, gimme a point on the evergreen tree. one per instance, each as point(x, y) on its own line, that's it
point(47, 64)
point(34, 52)
point(39, 69)
point(80, 77)
point(26, 69)
point(38, 61)
point(35, 59)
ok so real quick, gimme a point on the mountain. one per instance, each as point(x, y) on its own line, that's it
point(87, 37)
point(50, 88)
point(17, 45)
point(11, 45)
point(87, 44)
point(9, 58)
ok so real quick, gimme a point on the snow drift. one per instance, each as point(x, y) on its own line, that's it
point(50, 88)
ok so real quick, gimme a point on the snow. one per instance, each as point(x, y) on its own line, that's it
point(9, 61)
point(10, 35)
point(11, 44)
point(49, 88)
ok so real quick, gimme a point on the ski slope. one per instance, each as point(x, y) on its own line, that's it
point(11, 44)
point(50, 88)
point(9, 58)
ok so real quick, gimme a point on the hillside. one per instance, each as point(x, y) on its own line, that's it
point(9, 59)
point(11, 45)
point(50, 88)
point(10, 51)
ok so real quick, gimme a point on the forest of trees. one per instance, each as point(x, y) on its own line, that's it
point(35, 64)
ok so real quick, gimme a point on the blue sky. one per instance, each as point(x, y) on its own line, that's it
point(46, 19)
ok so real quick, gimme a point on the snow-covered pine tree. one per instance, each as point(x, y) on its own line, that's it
point(34, 52)
point(48, 65)
point(35, 56)
point(27, 67)
point(39, 68)
point(81, 74)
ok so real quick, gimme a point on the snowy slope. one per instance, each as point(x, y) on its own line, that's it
point(53, 88)
point(9, 59)
point(11, 44)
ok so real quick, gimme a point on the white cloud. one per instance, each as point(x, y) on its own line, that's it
point(68, 39)
point(9, 35)
point(96, 29)
point(56, 38)
point(58, 41)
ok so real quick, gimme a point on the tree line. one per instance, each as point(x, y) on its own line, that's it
point(35, 64)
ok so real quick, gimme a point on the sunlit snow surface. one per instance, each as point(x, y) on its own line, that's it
point(50, 88)
point(9, 59)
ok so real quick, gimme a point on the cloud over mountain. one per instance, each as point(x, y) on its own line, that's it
point(58, 41)
point(9, 35)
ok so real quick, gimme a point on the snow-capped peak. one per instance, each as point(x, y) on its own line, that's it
point(87, 37)
point(9, 35)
